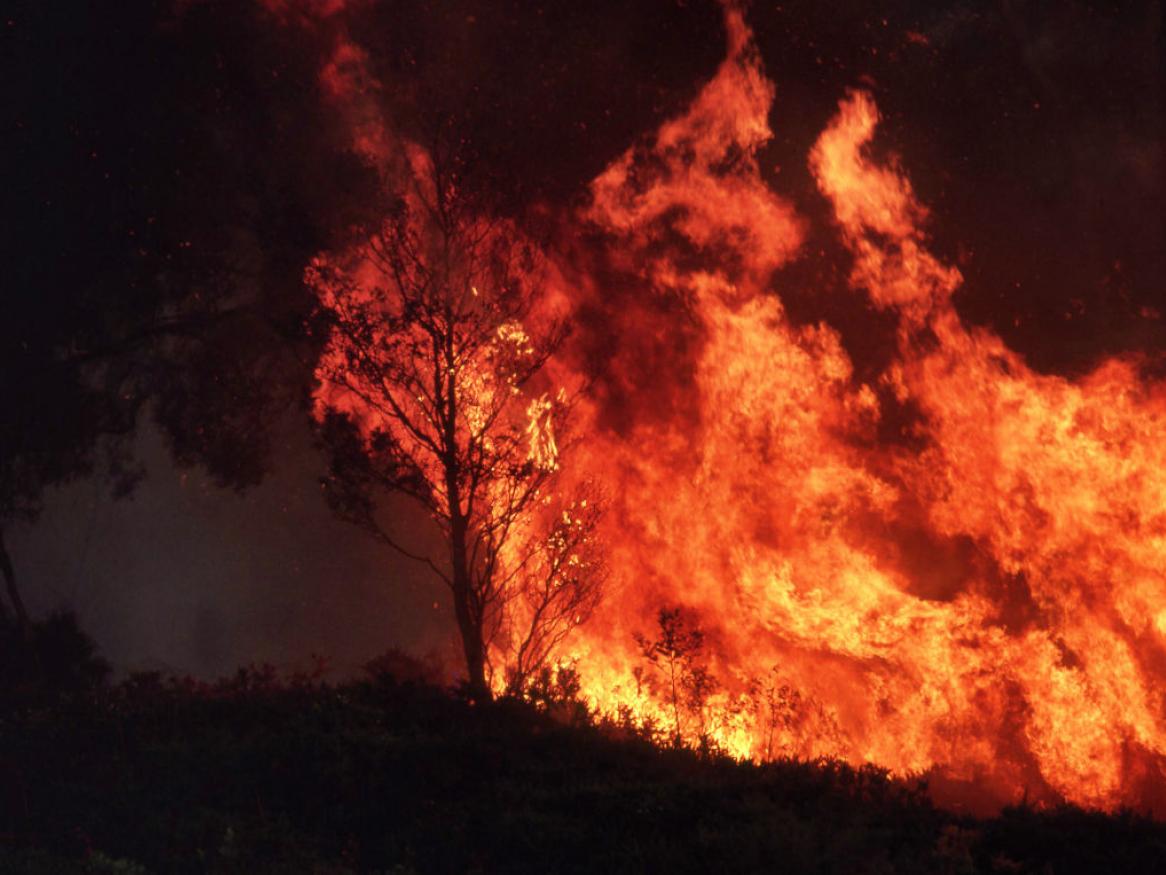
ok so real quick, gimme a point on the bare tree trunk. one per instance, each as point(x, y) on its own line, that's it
point(468, 624)
point(677, 739)
point(469, 616)
point(10, 584)
point(475, 661)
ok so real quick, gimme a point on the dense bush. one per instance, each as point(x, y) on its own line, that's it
point(47, 659)
point(257, 774)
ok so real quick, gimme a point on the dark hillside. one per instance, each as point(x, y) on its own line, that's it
point(257, 774)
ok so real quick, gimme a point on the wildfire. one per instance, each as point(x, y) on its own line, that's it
point(765, 511)
point(985, 600)
point(544, 449)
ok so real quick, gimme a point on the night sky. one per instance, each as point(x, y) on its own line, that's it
point(183, 145)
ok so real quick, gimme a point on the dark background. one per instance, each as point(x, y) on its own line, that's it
point(157, 151)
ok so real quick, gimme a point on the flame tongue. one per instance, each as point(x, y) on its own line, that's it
point(768, 513)
point(987, 598)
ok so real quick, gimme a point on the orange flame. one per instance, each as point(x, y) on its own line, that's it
point(988, 602)
point(768, 513)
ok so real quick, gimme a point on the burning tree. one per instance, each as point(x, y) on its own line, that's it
point(677, 654)
point(433, 385)
point(559, 585)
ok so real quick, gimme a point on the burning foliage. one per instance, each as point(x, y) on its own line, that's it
point(429, 386)
point(956, 564)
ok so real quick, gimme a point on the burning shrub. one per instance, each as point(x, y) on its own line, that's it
point(791, 722)
point(685, 680)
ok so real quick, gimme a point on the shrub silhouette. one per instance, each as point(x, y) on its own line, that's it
point(265, 774)
point(49, 657)
point(677, 654)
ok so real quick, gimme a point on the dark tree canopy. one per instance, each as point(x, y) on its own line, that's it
point(171, 167)
point(166, 182)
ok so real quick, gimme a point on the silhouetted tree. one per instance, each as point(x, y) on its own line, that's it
point(777, 706)
point(60, 421)
point(165, 186)
point(792, 722)
point(155, 265)
point(675, 652)
point(432, 385)
point(557, 589)
point(699, 685)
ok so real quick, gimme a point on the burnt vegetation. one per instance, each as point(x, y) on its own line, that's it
point(392, 773)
